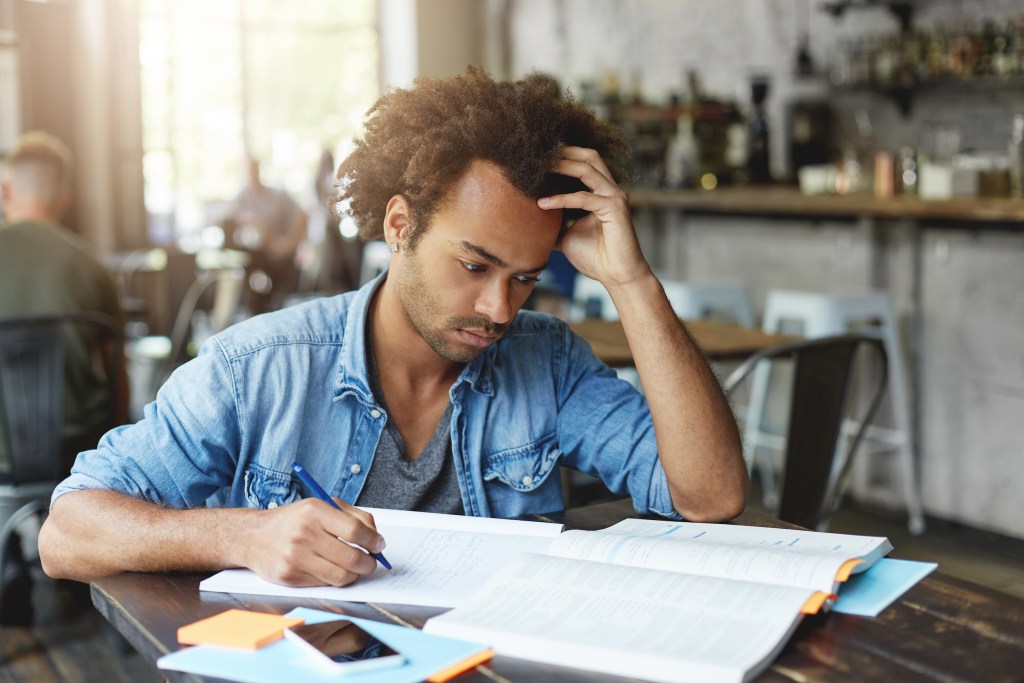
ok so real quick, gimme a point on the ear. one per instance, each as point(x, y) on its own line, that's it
point(397, 219)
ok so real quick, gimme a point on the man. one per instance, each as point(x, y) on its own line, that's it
point(424, 389)
point(277, 225)
point(46, 270)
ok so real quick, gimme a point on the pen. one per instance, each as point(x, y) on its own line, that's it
point(309, 481)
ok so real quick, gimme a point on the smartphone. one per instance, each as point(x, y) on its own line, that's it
point(343, 646)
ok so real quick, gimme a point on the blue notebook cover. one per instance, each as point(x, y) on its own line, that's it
point(283, 660)
point(869, 593)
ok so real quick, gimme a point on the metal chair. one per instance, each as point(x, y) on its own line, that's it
point(824, 314)
point(816, 457)
point(32, 394)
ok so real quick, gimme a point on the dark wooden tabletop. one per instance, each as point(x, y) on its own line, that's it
point(718, 340)
point(942, 629)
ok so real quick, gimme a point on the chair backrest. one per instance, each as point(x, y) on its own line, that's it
point(817, 460)
point(729, 302)
point(592, 300)
point(228, 285)
point(714, 301)
point(32, 383)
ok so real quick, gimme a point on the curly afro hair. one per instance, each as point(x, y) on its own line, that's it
point(419, 141)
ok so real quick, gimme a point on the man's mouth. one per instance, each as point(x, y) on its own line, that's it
point(478, 338)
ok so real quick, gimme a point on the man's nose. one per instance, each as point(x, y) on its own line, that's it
point(493, 302)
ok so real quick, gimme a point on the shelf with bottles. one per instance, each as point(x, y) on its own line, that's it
point(980, 56)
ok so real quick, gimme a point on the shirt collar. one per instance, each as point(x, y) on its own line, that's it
point(353, 373)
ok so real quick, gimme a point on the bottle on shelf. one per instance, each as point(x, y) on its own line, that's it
point(758, 166)
point(1017, 156)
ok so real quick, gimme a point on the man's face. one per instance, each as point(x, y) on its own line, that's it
point(473, 267)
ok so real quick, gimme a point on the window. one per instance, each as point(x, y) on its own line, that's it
point(225, 78)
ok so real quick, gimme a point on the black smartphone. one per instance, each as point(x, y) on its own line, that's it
point(344, 646)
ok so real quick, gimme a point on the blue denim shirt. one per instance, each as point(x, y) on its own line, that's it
point(292, 386)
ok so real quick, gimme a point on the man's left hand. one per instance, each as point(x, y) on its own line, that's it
point(603, 244)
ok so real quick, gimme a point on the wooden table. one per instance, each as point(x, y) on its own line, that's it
point(943, 629)
point(718, 340)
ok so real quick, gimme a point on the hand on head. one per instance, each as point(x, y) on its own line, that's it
point(603, 244)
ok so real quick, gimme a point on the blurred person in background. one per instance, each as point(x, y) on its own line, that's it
point(273, 226)
point(339, 256)
point(47, 270)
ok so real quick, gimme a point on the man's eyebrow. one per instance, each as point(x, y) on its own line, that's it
point(491, 258)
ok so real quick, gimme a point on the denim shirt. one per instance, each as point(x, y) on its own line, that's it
point(292, 386)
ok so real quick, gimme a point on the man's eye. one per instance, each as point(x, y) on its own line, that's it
point(472, 267)
point(527, 279)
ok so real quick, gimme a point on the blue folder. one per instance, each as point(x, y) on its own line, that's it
point(869, 593)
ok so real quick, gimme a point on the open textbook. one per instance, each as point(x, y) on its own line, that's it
point(663, 601)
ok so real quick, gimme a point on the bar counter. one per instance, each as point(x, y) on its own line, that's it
point(789, 201)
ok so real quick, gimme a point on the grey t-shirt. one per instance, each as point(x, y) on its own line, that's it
point(395, 482)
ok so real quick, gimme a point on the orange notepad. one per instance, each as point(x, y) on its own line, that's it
point(237, 628)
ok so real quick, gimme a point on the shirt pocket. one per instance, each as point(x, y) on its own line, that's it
point(526, 468)
point(267, 489)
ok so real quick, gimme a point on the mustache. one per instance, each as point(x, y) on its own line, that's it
point(475, 323)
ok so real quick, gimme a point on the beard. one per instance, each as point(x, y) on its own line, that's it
point(424, 309)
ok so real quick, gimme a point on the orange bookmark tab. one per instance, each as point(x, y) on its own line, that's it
point(847, 569)
point(465, 665)
point(815, 602)
point(237, 628)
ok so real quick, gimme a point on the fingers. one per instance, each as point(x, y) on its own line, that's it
point(351, 525)
point(591, 176)
point(588, 201)
point(318, 571)
point(364, 516)
point(588, 156)
point(311, 543)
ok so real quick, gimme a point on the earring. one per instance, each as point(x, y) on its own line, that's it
point(392, 247)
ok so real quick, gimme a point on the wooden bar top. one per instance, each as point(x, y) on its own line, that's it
point(789, 201)
point(718, 340)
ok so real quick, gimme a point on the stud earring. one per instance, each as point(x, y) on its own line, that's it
point(392, 247)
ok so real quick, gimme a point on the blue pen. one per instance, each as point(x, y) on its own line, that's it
point(309, 481)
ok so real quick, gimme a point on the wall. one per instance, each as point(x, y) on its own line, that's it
point(655, 41)
point(429, 38)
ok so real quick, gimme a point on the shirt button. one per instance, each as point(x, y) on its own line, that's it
point(271, 505)
point(374, 413)
point(527, 480)
point(356, 469)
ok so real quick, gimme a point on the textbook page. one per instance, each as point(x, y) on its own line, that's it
point(779, 556)
point(642, 623)
point(438, 560)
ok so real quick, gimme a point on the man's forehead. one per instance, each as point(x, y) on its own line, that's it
point(482, 252)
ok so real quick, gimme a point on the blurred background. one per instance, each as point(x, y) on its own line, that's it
point(835, 147)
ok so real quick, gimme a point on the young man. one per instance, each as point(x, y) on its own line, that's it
point(423, 390)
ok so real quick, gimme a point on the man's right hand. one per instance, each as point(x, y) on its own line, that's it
point(298, 544)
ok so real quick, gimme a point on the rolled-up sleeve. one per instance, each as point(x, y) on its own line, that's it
point(183, 450)
point(605, 429)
